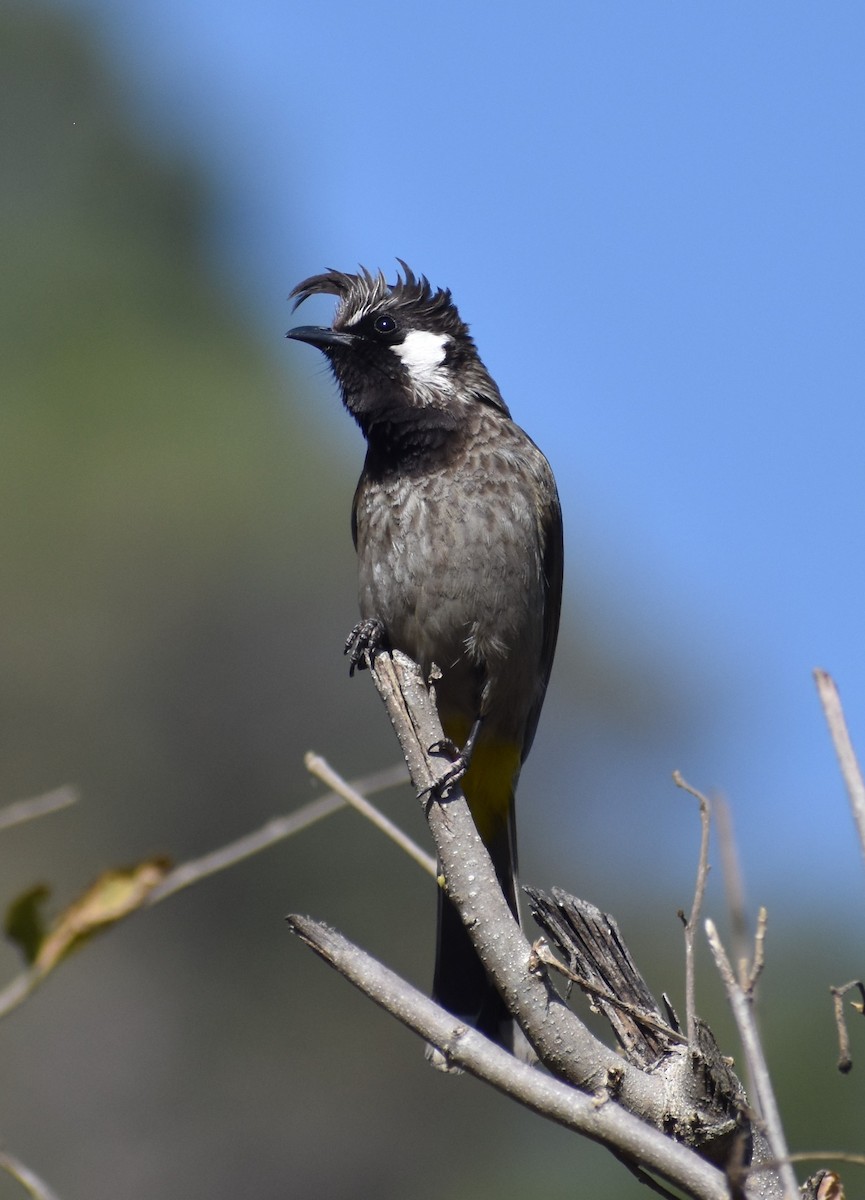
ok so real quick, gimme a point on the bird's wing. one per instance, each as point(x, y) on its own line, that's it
point(553, 561)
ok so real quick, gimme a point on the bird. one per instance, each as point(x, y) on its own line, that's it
point(457, 526)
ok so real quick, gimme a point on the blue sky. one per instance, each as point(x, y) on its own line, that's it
point(651, 214)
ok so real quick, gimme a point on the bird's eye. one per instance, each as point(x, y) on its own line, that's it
point(384, 324)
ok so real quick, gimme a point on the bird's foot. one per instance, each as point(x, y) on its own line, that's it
point(448, 748)
point(363, 642)
point(454, 773)
point(460, 759)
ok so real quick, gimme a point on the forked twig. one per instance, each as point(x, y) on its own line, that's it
point(743, 1014)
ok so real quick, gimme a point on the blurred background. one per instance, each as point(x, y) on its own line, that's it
point(651, 216)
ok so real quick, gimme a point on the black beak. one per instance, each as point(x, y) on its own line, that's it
point(315, 335)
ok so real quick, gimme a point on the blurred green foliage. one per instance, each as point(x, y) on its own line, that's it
point(149, 467)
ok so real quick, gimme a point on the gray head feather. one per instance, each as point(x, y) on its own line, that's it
point(365, 292)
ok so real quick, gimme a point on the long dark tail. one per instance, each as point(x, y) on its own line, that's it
point(460, 983)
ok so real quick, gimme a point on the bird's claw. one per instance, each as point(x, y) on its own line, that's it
point(365, 639)
point(454, 773)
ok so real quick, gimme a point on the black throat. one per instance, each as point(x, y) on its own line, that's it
point(410, 440)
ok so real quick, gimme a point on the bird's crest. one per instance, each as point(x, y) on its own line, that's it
point(366, 292)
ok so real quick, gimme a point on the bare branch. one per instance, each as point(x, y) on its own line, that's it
point(560, 1039)
point(595, 1117)
point(845, 1060)
point(831, 701)
point(37, 806)
point(696, 907)
point(741, 1004)
point(27, 1178)
point(319, 767)
point(562, 1042)
point(858, 1160)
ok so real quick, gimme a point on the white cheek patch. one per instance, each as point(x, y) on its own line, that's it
point(422, 353)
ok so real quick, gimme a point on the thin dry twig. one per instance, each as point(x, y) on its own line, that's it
point(37, 1188)
point(696, 907)
point(845, 1059)
point(37, 806)
point(857, 1160)
point(752, 974)
point(318, 766)
point(850, 770)
point(741, 1005)
point(268, 835)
